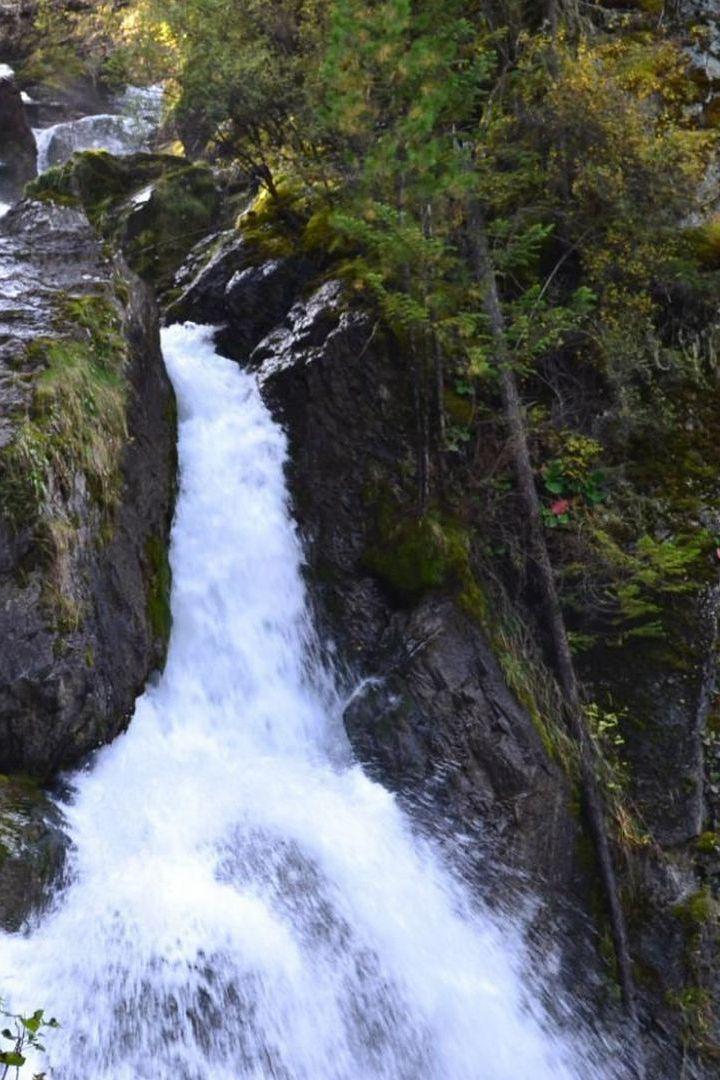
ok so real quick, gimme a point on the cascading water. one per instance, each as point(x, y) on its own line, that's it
point(243, 900)
point(124, 132)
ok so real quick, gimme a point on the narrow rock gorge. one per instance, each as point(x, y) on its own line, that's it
point(378, 736)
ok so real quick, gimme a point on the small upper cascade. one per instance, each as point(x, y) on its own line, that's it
point(126, 131)
point(117, 134)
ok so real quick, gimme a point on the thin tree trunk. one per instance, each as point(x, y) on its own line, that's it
point(441, 433)
point(420, 408)
point(565, 668)
point(436, 364)
point(422, 455)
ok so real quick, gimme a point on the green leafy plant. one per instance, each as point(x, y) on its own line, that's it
point(20, 1035)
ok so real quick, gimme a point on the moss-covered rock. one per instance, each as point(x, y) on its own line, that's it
point(76, 420)
point(156, 207)
point(412, 555)
point(87, 466)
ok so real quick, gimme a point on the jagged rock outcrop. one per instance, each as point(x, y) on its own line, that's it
point(18, 153)
point(435, 719)
point(439, 724)
point(87, 466)
point(227, 283)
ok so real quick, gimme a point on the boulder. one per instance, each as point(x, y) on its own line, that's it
point(227, 282)
point(87, 474)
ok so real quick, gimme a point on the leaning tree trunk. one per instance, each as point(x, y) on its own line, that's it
point(565, 668)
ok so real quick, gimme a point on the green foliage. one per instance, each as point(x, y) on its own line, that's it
point(647, 577)
point(23, 1034)
point(571, 480)
point(605, 727)
point(76, 422)
point(73, 41)
point(697, 909)
point(708, 843)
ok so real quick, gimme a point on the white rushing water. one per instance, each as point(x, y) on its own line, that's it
point(118, 135)
point(130, 129)
point(244, 901)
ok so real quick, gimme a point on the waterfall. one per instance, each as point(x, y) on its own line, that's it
point(243, 901)
point(117, 134)
point(130, 129)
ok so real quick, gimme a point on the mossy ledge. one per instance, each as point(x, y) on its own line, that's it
point(75, 426)
point(154, 206)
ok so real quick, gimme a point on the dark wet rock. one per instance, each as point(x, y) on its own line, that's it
point(201, 281)
point(666, 691)
point(435, 721)
point(18, 153)
point(32, 850)
point(85, 505)
point(226, 282)
point(437, 718)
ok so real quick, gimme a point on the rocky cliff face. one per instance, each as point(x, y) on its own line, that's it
point(443, 717)
point(434, 719)
point(18, 153)
point(87, 459)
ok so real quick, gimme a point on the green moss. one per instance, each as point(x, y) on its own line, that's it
point(697, 909)
point(275, 225)
point(458, 408)
point(76, 422)
point(708, 843)
point(158, 588)
point(179, 212)
point(156, 234)
point(96, 180)
point(704, 243)
point(414, 555)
